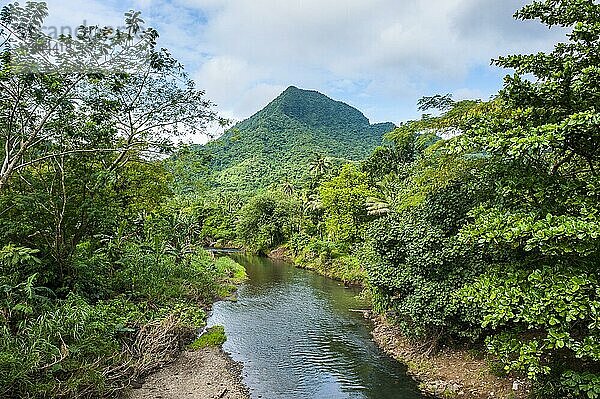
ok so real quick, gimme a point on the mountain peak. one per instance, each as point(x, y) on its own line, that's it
point(279, 141)
point(315, 109)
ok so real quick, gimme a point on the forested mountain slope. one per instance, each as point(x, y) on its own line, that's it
point(279, 142)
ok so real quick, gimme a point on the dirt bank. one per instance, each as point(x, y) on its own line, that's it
point(202, 374)
point(281, 253)
point(449, 372)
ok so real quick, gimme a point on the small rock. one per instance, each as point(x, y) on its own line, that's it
point(516, 385)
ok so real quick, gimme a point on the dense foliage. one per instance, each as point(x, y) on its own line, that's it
point(493, 235)
point(101, 276)
point(479, 225)
point(267, 221)
point(279, 141)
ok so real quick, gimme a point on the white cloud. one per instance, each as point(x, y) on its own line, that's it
point(379, 55)
point(91, 12)
point(399, 47)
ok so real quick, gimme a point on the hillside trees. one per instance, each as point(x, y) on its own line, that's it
point(297, 135)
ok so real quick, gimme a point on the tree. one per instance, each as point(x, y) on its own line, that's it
point(541, 138)
point(288, 188)
point(56, 93)
point(344, 200)
point(320, 166)
point(267, 220)
point(153, 106)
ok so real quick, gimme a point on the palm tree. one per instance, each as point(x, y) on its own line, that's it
point(312, 202)
point(377, 207)
point(320, 165)
point(380, 204)
point(287, 188)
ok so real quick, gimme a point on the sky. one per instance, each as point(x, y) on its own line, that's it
point(379, 56)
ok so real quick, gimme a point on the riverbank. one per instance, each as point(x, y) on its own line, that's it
point(447, 373)
point(198, 370)
point(443, 374)
point(345, 268)
point(200, 374)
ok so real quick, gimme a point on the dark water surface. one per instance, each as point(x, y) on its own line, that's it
point(297, 338)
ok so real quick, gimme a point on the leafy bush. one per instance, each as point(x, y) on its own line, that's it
point(267, 221)
point(414, 258)
point(157, 278)
point(542, 323)
point(63, 351)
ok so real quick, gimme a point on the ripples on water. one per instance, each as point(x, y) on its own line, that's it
point(297, 338)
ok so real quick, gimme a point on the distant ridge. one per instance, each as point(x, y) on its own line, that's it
point(278, 142)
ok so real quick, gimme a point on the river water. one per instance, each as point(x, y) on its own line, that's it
point(297, 338)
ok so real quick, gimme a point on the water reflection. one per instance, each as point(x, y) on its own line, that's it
point(294, 333)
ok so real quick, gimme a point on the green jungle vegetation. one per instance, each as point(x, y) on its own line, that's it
point(102, 275)
point(213, 336)
point(475, 226)
point(279, 142)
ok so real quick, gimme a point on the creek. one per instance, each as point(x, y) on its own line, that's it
point(299, 336)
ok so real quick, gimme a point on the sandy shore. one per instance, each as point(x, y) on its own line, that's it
point(202, 374)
